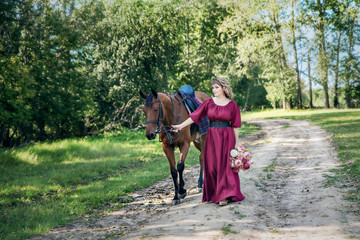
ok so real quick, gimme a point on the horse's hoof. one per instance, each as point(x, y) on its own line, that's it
point(182, 196)
point(176, 202)
point(199, 190)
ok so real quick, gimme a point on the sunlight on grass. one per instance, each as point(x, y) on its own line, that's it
point(283, 113)
point(48, 184)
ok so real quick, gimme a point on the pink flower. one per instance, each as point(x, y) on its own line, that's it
point(240, 156)
point(241, 148)
point(237, 163)
point(247, 155)
point(246, 166)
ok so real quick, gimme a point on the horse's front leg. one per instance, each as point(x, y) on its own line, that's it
point(169, 152)
point(184, 149)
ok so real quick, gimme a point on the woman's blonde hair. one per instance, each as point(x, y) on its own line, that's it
point(225, 85)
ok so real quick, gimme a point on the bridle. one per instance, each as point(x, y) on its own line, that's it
point(161, 127)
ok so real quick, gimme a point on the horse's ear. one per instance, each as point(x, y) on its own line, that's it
point(154, 93)
point(143, 95)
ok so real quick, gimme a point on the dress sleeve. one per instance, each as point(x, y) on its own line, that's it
point(200, 112)
point(235, 116)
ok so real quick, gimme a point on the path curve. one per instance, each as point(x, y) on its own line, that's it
point(288, 201)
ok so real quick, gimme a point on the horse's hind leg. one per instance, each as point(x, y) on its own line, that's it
point(201, 180)
point(200, 144)
point(184, 149)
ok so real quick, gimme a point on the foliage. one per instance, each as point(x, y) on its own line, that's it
point(138, 50)
point(42, 86)
point(75, 67)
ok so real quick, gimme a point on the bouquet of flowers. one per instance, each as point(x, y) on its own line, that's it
point(240, 158)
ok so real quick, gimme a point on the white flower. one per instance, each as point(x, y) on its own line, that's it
point(234, 153)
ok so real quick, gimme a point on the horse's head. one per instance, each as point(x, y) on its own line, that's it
point(152, 110)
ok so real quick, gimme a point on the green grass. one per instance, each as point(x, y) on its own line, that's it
point(227, 229)
point(247, 129)
point(344, 126)
point(271, 167)
point(286, 125)
point(236, 212)
point(50, 184)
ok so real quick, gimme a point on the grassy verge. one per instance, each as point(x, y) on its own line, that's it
point(344, 125)
point(50, 184)
point(247, 129)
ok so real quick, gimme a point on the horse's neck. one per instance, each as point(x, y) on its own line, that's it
point(169, 117)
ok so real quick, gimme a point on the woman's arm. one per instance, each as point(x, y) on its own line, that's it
point(183, 124)
point(236, 132)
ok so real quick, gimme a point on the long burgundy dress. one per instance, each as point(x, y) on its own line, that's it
point(220, 182)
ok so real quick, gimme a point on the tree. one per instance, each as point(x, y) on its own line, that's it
point(351, 61)
point(138, 48)
point(204, 53)
point(43, 93)
point(310, 82)
point(323, 58)
point(293, 42)
point(337, 70)
point(316, 15)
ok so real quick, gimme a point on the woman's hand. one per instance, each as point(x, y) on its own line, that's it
point(176, 128)
point(236, 133)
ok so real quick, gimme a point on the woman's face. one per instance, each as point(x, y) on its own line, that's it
point(218, 90)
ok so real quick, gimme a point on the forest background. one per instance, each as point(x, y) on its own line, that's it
point(75, 67)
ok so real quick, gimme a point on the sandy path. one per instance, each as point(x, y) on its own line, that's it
point(290, 202)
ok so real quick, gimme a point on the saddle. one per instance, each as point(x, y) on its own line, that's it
point(191, 104)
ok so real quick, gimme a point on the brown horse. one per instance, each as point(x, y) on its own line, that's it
point(163, 110)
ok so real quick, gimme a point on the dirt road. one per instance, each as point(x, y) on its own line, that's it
point(285, 197)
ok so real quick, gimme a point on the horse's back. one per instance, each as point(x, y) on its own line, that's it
point(201, 96)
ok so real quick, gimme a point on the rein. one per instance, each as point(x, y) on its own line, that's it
point(161, 127)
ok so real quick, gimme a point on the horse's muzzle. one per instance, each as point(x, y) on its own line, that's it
point(151, 136)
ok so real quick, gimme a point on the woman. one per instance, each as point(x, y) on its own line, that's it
point(221, 184)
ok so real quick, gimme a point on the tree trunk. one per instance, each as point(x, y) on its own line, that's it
point(336, 98)
point(299, 98)
point(42, 132)
point(2, 135)
point(273, 103)
point(322, 54)
point(6, 141)
point(348, 65)
point(247, 98)
point(310, 83)
point(281, 58)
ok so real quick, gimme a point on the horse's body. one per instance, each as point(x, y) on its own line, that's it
point(163, 110)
